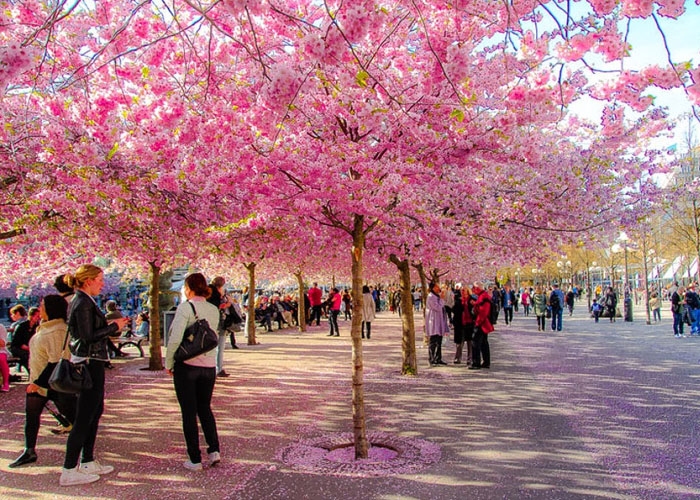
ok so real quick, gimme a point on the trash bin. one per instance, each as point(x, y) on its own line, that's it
point(628, 309)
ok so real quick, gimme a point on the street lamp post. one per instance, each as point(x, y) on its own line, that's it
point(628, 299)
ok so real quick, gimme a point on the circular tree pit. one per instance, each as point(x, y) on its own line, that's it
point(335, 454)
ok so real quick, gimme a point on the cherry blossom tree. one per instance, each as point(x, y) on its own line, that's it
point(356, 115)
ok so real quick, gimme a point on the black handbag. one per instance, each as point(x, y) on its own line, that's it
point(197, 339)
point(70, 378)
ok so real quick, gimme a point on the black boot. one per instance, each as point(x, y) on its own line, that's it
point(27, 457)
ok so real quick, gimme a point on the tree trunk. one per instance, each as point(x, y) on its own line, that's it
point(156, 356)
point(250, 318)
point(301, 308)
point(409, 365)
point(358, 397)
point(646, 286)
point(424, 293)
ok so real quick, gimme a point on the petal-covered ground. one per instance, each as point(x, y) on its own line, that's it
point(595, 411)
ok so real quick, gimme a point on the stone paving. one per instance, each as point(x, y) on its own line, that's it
point(596, 411)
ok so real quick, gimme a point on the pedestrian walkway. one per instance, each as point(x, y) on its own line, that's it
point(595, 411)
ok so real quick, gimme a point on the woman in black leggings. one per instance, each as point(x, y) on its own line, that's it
point(46, 347)
point(90, 332)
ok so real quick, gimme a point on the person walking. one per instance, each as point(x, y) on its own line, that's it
point(194, 378)
point(655, 306)
point(436, 325)
point(525, 299)
point(678, 311)
point(570, 300)
point(46, 349)
point(539, 307)
point(610, 304)
point(595, 309)
point(368, 311)
point(219, 300)
point(334, 301)
point(692, 302)
point(89, 332)
point(315, 302)
point(4, 355)
point(556, 302)
point(347, 304)
point(508, 303)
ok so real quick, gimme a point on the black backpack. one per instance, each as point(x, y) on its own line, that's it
point(554, 301)
point(493, 313)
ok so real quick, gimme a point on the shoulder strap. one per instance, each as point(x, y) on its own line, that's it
point(193, 310)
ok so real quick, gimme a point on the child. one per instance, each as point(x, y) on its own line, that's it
point(595, 309)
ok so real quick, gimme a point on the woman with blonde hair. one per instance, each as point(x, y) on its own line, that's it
point(539, 307)
point(89, 334)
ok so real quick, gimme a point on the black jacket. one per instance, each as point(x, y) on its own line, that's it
point(88, 328)
point(20, 337)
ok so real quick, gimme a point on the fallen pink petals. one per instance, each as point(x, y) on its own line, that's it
point(388, 455)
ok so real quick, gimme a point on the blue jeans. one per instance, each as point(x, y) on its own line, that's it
point(695, 321)
point(220, 352)
point(557, 318)
point(678, 323)
point(333, 321)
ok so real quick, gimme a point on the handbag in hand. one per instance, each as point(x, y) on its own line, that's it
point(68, 377)
point(197, 339)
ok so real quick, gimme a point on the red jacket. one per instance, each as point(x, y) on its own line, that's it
point(467, 303)
point(483, 312)
point(336, 300)
point(315, 295)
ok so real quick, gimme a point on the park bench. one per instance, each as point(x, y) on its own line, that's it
point(12, 361)
point(132, 341)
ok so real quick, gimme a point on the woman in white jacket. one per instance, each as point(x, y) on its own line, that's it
point(194, 378)
point(368, 311)
point(46, 348)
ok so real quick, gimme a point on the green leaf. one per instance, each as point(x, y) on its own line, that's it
point(361, 78)
point(458, 114)
point(113, 151)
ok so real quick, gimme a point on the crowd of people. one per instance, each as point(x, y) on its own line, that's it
point(70, 324)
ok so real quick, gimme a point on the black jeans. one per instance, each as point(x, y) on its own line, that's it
point(81, 440)
point(333, 321)
point(315, 314)
point(34, 405)
point(541, 321)
point(435, 349)
point(367, 324)
point(508, 313)
point(194, 386)
point(481, 353)
point(678, 323)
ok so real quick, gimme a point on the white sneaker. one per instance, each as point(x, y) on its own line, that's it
point(189, 465)
point(95, 467)
point(214, 458)
point(71, 477)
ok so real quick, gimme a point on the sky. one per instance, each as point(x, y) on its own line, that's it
point(683, 38)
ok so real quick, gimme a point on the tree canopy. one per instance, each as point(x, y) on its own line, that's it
point(174, 131)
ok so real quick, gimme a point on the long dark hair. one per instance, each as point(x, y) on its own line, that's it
point(56, 307)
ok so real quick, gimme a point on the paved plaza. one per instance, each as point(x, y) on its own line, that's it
point(595, 411)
